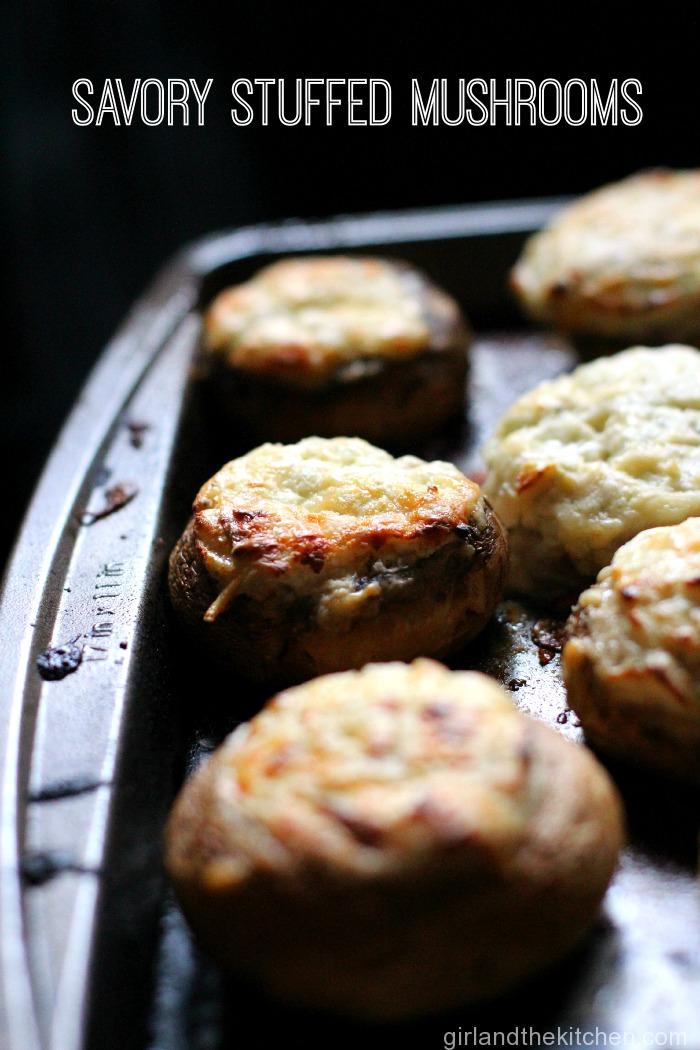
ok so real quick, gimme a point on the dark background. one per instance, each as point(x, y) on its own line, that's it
point(93, 212)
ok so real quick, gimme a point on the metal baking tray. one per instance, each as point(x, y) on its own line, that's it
point(93, 951)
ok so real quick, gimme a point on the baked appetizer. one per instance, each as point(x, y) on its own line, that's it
point(337, 346)
point(324, 555)
point(621, 263)
point(581, 464)
point(393, 841)
point(632, 664)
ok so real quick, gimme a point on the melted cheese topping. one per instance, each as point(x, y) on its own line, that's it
point(320, 510)
point(372, 770)
point(630, 247)
point(643, 614)
point(583, 463)
point(305, 318)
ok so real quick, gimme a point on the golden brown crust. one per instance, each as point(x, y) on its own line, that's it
point(632, 662)
point(275, 640)
point(307, 558)
point(582, 463)
point(290, 508)
point(635, 719)
point(420, 801)
point(620, 263)
point(337, 345)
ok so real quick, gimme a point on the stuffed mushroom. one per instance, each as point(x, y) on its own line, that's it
point(337, 346)
point(393, 841)
point(324, 555)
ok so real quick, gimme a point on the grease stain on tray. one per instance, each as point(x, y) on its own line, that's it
point(548, 635)
point(60, 789)
point(137, 432)
point(58, 661)
point(115, 497)
point(39, 868)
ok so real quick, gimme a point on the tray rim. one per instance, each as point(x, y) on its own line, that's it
point(119, 369)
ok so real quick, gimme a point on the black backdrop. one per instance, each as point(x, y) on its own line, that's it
point(94, 211)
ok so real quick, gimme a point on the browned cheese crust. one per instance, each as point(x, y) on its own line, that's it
point(392, 842)
point(632, 662)
point(337, 346)
point(321, 556)
point(621, 263)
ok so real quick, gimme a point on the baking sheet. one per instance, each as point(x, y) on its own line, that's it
point(640, 971)
point(93, 951)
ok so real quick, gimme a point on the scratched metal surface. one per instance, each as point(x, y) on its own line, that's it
point(94, 953)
